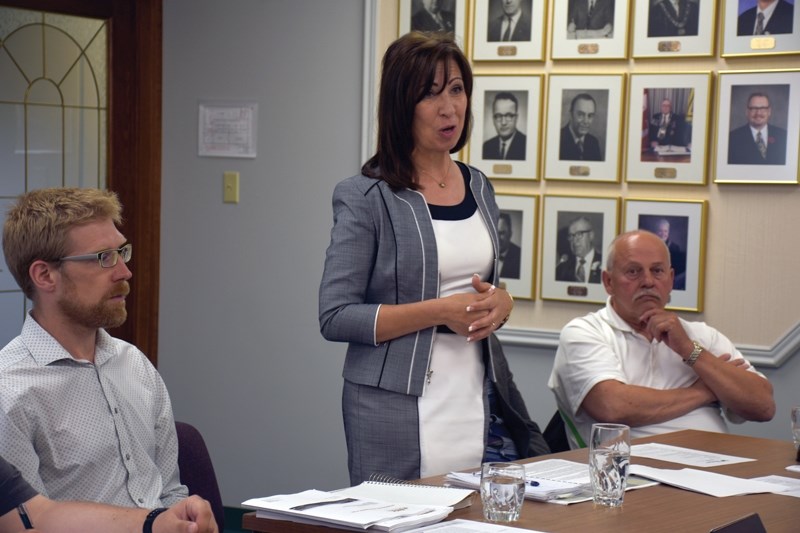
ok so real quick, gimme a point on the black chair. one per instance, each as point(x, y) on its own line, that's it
point(197, 471)
point(556, 434)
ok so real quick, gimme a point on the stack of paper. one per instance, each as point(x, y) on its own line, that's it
point(546, 480)
point(332, 508)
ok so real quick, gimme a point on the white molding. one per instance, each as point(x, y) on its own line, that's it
point(772, 357)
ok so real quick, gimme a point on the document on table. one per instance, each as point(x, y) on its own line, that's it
point(469, 526)
point(705, 482)
point(684, 456)
point(792, 484)
point(329, 508)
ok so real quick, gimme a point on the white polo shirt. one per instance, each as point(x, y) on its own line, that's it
point(601, 346)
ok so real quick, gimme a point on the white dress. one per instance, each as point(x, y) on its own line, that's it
point(451, 409)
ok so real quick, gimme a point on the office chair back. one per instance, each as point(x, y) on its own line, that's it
point(197, 471)
point(556, 434)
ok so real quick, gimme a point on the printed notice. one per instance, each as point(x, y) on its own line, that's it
point(227, 130)
point(685, 456)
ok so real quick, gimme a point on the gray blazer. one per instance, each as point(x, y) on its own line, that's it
point(383, 250)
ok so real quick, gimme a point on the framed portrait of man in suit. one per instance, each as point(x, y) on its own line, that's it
point(758, 136)
point(517, 229)
point(575, 234)
point(681, 225)
point(674, 28)
point(504, 141)
point(433, 15)
point(589, 29)
point(758, 27)
point(509, 30)
point(668, 124)
point(584, 117)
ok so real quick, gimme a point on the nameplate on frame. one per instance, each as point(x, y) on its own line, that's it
point(762, 43)
point(579, 170)
point(669, 46)
point(577, 290)
point(502, 169)
point(506, 51)
point(665, 173)
point(590, 48)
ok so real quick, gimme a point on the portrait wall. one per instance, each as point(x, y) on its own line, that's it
point(668, 120)
point(674, 28)
point(575, 234)
point(584, 117)
point(509, 30)
point(504, 141)
point(751, 30)
point(682, 226)
point(758, 134)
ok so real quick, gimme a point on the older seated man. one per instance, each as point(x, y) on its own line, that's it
point(635, 363)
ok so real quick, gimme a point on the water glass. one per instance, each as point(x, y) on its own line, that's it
point(609, 460)
point(502, 491)
point(796, 426)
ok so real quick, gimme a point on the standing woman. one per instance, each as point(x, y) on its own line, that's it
point(409, 283)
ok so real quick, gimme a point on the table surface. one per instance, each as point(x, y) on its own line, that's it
point(653, 509)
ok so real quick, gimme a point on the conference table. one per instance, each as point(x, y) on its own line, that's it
point(652, 509)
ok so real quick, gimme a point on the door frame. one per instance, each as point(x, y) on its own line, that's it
point(134, 143)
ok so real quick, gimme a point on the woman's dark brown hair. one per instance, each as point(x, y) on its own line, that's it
point(409, 71)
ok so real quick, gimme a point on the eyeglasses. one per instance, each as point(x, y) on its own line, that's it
point(106, 258)
point(578, 234)
point(753, 109)
point(508, 117)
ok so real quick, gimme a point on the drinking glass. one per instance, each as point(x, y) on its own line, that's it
point(796, 426)
point(502, 491)
point(609, 460)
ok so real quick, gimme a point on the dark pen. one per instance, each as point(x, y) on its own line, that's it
point(533, 483)
point(23, 515)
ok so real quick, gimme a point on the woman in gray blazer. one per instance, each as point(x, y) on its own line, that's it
point(410, 284)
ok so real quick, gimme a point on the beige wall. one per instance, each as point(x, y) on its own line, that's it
point(752, 284)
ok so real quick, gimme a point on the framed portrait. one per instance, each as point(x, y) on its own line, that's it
point(576, 231)
point(751, 31)
point(434, 15)
point(584, 118)
point(589, 29)
point(681, 224)
point(758, 134)
point(509, 30)
point(667, 142)
point(674, 28)
point(516, 231)
point(504, 142)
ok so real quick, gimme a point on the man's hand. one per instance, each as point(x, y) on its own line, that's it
point(191, 515)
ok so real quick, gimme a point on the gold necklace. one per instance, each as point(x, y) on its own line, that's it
point(443, 183)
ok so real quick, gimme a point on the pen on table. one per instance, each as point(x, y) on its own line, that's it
point(533, 483)
point(23, 515)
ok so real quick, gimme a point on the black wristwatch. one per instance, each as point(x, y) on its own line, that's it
point(151, 517)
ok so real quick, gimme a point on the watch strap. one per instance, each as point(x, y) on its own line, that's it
point(151, 517)
point(692, 359)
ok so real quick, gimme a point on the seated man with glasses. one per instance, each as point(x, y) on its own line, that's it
point(635, 363)
point(85, 415)
point(509, 143)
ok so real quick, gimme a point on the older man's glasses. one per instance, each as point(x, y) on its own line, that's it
point(106, 258)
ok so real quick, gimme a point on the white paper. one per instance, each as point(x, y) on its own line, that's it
point(468, 526)
point(684, 456)
point(362, 513)
point(705, 482)
point(791, 484)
